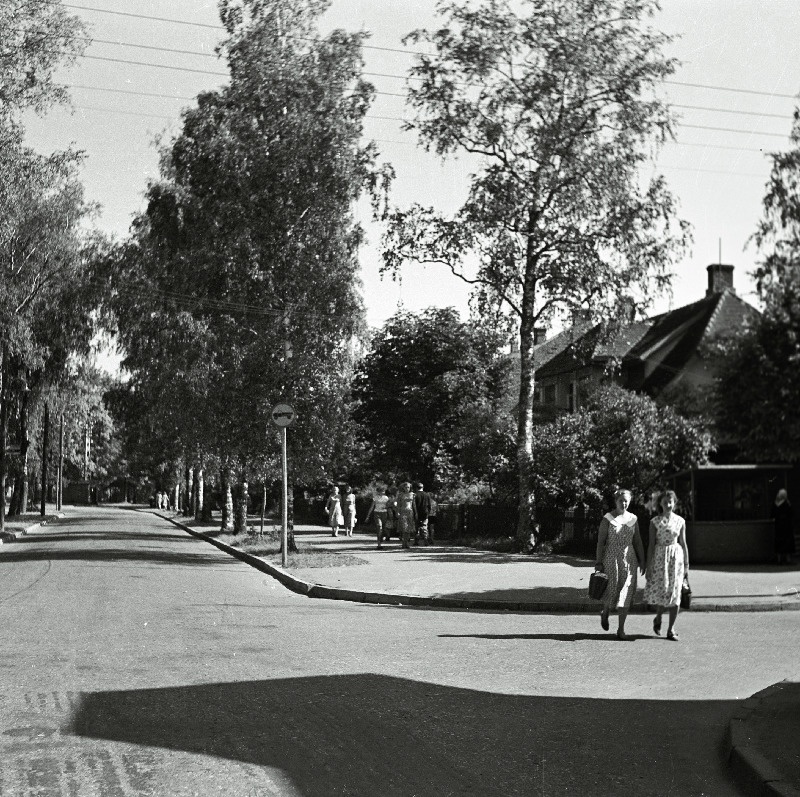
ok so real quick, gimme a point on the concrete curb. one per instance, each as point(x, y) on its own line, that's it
point(750, 767)
point(312, 590)
point(15, 535)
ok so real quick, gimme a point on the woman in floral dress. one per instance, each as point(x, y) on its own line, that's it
point(667, 563)
point(333, 509)
point(619, 554)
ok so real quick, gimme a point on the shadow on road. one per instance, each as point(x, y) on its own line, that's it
point(607, 636)
point(149, 555)
point(367, 735)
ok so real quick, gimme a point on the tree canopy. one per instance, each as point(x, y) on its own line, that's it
point(424, 375)
point(759, 382)
point(556, 105)
point(38, 37)
point(238, 287)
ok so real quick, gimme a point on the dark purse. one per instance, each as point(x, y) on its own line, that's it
point(598, 582)
point(686, 595)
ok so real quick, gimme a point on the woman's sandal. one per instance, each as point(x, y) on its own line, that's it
point(673, 636)
point(657, 625)
point(604, 621)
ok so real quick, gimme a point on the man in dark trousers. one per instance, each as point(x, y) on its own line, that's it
point(422, 503)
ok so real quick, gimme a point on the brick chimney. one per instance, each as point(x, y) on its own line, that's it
point(539, 335)
point(720, 278)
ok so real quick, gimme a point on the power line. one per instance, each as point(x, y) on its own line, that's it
point(409, 52)
point(737, 91)
point(733, 130)
point(156, 66)
point(127, 91)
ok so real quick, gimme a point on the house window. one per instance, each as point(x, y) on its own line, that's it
point(549, 394)
point(571, 403)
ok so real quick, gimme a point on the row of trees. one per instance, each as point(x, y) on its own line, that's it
point(47, 296)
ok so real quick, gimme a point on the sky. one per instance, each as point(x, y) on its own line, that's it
point(734, 92)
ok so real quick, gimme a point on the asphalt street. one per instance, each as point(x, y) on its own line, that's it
point(138, 660)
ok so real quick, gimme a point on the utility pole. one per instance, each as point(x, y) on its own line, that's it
point(45, 452)
point(60, 487)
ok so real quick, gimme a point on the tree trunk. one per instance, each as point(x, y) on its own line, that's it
point(240, 508)
point(291, 545)
point(188, 507)
point(226, 524)
point(198, 493)
point(527, 375)
point(45, 454)
point(3, 435)
point(24, 445)
point(263, 505)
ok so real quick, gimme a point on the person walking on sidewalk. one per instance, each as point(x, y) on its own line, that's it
point(667, 563)
point(349, 510)
point(406, 513)
point(783, 516)
point(422, 509)
point(619, 553)
point(379, 510)
point(333, 508)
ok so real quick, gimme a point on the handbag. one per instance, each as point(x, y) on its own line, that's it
point(598, 583)
point(686, 595)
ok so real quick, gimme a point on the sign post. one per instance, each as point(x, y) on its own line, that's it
point(283, 415)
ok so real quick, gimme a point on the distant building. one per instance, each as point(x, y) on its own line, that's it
point(666, 355)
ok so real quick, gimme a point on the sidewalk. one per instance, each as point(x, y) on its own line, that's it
point(480, 579)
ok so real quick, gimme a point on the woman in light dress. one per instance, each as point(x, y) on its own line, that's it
point(619, 554)
point(406, 513)
point(667, 563)
point(333, 508)
point(349, 510)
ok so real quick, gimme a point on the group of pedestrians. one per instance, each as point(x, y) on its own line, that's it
point(620, 554)
point(410, 513)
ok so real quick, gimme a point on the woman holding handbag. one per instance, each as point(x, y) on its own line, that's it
point(619, 554)
point(667, 563)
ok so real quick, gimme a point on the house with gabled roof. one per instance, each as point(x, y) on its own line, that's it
point(670, 356)
point(664, 354)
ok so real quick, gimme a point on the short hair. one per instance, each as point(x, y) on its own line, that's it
point(668, 494)
point(418, 485)
point(622, 491)
point(405, 485)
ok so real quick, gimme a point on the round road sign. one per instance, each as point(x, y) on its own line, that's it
point(283, 414)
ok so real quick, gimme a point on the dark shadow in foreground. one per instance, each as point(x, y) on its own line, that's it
point(367, 735)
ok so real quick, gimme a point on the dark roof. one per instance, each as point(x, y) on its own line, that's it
point(694, 323)
point(593, 345)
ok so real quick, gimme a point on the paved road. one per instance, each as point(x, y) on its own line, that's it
point(138, 660)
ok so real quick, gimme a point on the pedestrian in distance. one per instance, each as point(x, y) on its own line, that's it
point(432, 513)
point(667, 563)
point(783, 517)
point(619, 554)
point(379, 509)
point(391, 514)
point(422, 511)
point(349, 510)
point(406, 514)
point(333, 509)
point(165, 500)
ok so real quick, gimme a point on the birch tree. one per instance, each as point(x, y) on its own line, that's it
point(556, 107)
